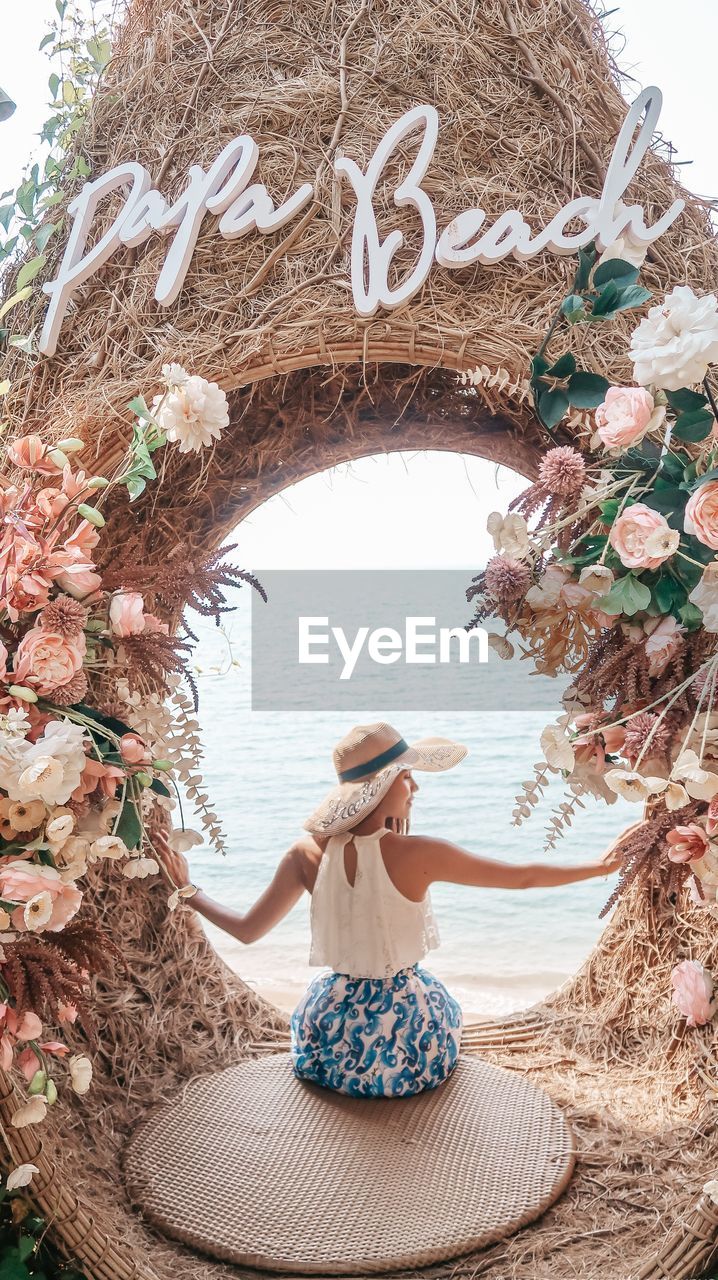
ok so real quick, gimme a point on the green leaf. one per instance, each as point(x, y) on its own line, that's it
point(704, 479)
point(606, 299)
point(673, 465)
point(25, 197)
point(692, 427)
point(586, 260)
point(20, 296)
point(160, 787)
point(6, 215)
point(573, 308)
point(115, 726)
point(12, 1266)
point(668, 592)
point(609, 510)
point(615, 269)
point(54, 85)
point(23, 342)
point(587, 390)
point(634, 295)
point(684, 400)
point(43, 233)
point(551, 407)
point(670, 498)
point(30, 270)
point(565, 365)
point(46, 40)
point(627, 595)
point(129, 827)
point(691, 616)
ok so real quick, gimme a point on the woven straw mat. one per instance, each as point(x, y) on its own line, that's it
point(253, 1166)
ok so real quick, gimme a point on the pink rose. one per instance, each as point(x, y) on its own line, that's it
point(47, 660)
point(79, 580)
point(630, 532)
point(701, 515)
point(127, 613)
point(692, 992)
point(664, 640)
point(623, 418)
point(133, 749)
point(687, 843)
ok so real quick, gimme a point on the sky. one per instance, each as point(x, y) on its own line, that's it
point(433, 507)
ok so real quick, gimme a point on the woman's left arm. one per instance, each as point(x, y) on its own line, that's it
point(282, 893)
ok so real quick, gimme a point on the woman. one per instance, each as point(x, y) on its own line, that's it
point(377, 1024)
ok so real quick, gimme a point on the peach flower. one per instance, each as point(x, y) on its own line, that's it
point(631, 531)
point(30, 453)
point(47, 660)
point(28, 1063)
point(701, 514)
point(22, 882)
point(624, 416)
point(692, 992)
point(687, 843)
point(133, 750)
point(127, 613)
point(97, 776)
point(664, 640)
point(614, 737)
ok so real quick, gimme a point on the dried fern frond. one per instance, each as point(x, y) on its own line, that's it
point(200, 587)
point(154, 656)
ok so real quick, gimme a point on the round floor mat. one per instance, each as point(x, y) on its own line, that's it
point(253, 1166)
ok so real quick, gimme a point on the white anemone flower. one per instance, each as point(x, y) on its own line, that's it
point(37, 910)
point(631, 785)
point(509, 532)
point(21, 1176)
point(698, 782)
point(80, 1072)
point(557, 748)
point(140, 868)
point(33, 1112)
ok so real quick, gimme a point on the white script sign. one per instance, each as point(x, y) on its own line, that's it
point(226, 190)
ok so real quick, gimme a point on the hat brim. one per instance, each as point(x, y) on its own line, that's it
point(347, 803)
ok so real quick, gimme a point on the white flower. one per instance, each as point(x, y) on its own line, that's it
point(706, 868)
point(15, 723)
point(675, 343)
point(627, 250)
point(177, 894)
point(705, 596)
point(675, 796)
point(192, 414)
point(58, 829)
point(139, 868)
point(80, 1072)
point(596, 578)
point(632, 785)
point(698, 782)
point(108, 847)
point(548, 591)
point(662, 542)
point(174, 375)
point(38, 910)
point(556, 747)
point(21, 1176)
point(49, 769)
point(33, 1112)
point(183, 840)
point(510, 533)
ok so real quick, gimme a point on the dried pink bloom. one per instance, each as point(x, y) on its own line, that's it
point(506, 580)
point(563, 472)
point(637, 732)
point(64, 615)
point(72, 692)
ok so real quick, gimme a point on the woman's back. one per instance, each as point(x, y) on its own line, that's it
point(365, 926)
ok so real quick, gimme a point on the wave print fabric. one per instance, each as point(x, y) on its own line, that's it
point(376, 1037)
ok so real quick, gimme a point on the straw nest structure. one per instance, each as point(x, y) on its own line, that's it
point(530, 107)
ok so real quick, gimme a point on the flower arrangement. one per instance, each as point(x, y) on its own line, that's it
point(606, 569)
point(91, 750)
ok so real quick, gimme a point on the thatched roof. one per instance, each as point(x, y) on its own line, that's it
point(530, 108)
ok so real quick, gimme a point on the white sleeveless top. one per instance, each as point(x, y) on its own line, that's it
point(368, 929)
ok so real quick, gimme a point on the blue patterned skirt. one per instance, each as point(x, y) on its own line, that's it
point(376, 1037)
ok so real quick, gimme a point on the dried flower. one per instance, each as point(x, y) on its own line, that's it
point(638, 730)
point(506, 580)
point(68, 695)
point(65, 616)
point(562, 472)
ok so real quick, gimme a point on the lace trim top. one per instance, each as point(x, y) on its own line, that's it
point(368, 929)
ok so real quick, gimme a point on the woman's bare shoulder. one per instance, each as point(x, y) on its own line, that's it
point(308, 853)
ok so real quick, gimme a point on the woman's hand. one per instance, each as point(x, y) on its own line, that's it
point(612, 859)
point(176, 863)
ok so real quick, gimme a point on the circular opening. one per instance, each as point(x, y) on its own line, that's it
point(266, 769)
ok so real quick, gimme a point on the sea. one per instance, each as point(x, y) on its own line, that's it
point(265, 771)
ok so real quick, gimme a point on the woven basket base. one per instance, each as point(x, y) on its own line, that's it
point(253, 1166)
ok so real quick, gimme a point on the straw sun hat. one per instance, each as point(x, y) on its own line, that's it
point(367, 761)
